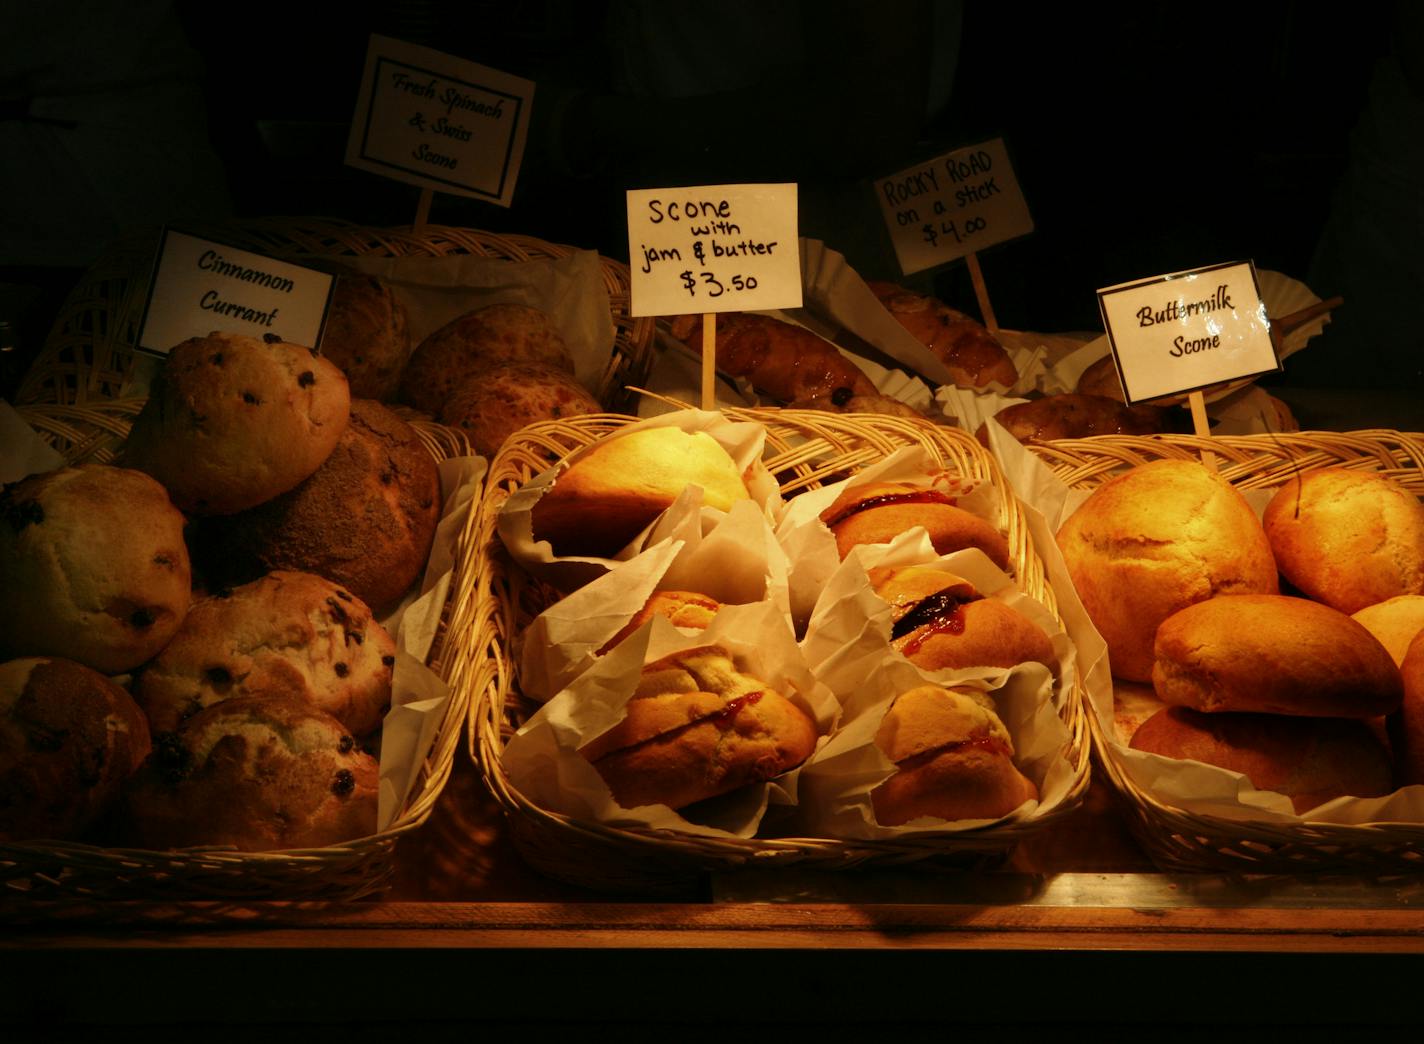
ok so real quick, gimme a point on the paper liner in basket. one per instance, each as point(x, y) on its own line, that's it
point(736, 561)
point(543, 761)
point(742, 440)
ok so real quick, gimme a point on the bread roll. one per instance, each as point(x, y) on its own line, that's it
point(232, 421)
point(953, 760)
point(1309, 760)
point(256, 773)
point(1154, 540)
point(618, 486)
point(1273, 654)
point(1347, 538)
point(1406, 726)
point(287, 634)
point(475, 343)
point(686, 610)
point(877, 512)
point(967, 349)
point(1394, 622)
point(93, 567)
point(69, 737)
point(365, 519)
point(492, 405)
point(697, 727)
point(367, 335)
point(940, 621)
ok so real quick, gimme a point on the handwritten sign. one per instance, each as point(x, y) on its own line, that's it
point(439, 122)
point(200, 285)
point(714, 248)
point(1188, 330)
point(953, 206)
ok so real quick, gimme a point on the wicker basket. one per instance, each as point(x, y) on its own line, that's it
point(89, 355)
point(804, 449)
point(43, 871)
point(1180, 840)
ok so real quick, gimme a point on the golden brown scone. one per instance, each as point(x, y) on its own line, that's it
point(1273, 654)
point(232, 421)
point(1101, 379)
point(260, 773)
point(1394, 622)
point(1082, 416)
point(93, 567)
point(697, 727)
point(1156, 539)
point(1406, 726)
point(953, 758)
point(608, 495)
point(967, 349)
point(474, 343)
point(365, 520)
point(69, 737)
point(877, 512)
point(781, 360)
point(1347, 538)
point(939, 620)
point(287, 634)
point(1309, 760)
point(367, 334)
point(492, 405)
point(685, 609)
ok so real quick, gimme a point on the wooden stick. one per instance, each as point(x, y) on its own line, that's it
point(1202, 427)
point(982, 293)
point(422, 209)
point(709, 360)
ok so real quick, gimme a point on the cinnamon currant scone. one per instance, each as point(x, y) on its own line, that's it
point(287, 634)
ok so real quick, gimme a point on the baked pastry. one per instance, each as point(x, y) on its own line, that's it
point(1082, 416)
point(605, 497)
point(232, 421)
point(784, 361)
point(687, 610)
point(92, 567)
point(367, 335)
point(287, 634)
point(1156, 539)
point(1406, 727)
point(877, 512)
point(1309, 760)
point(885, 405)
point(967, 349)
point(475, 343)
point(953, 760)
point(939, 620)
point(696, 727)
point(259, 773)
point(1101, 379)
point(1347, 538)
point(365, 519)
point(69, 737)
point(492, 405)
point(1273, 654)
point(1394, 622)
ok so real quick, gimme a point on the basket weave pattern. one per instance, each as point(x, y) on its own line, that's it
point(1174, 838)
point(804, 450)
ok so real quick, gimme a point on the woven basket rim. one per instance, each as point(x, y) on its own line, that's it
point(492, 708)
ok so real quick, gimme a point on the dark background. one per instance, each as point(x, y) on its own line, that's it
point(1148, 137)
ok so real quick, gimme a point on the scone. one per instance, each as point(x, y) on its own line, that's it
point(93, 567)
point(232, 421)
point(877, 512)
point(367, 335)
point(492, 405)
point(287, 634)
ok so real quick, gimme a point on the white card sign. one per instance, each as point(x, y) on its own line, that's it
point(714, 248)
point(1188, 330)
point(955, 205)
point(439, 122)
point(200, 285)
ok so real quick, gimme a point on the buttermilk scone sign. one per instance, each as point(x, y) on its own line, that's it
point(1188, 330)
point(439, 122)
point(200, 285)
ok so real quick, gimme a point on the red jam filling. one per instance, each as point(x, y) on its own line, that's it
point(919, 496)
point(940, 613)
